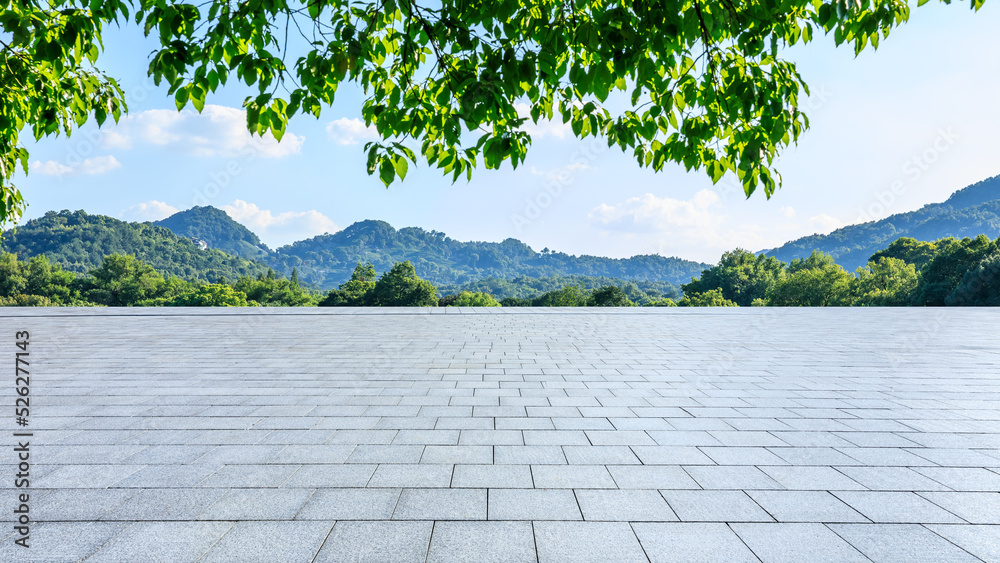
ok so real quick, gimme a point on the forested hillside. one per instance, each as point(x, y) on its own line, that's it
point(969, 212)
point(526, 287)
point(218, 230)
point(328, 260)
point(80, 241)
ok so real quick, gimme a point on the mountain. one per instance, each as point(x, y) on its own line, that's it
point(971, 211)
point(218, 230)
point(80, 241)
point(328, 260)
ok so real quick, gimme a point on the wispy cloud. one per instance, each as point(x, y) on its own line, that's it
point(277, 229)
point(692, 228)
point(544, 128)
point(824, 223)
point(148, 211)
point(89, 166)
point(217, 131)
point(351, 131)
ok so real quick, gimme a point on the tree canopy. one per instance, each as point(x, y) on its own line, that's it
point(702, 84)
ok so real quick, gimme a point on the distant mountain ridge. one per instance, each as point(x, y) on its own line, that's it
point(327, 260)
point(218, 230)
point(971, 211)
point(80, 241)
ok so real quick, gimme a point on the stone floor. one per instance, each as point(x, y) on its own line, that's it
point(542, 435)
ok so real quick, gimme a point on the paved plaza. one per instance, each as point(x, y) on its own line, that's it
point(548, 435)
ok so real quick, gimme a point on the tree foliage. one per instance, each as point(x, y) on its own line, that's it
point(885, 282)
point(971, 211)
point(703, 84)
point(741, 275)
point(80, 241)
point(709, 298)
point(953, 259)
point(609, 296)
point(398, 287)
point(470, 299)
point(814, 282)
point(212, 295)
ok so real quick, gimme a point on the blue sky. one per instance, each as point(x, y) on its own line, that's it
point(891, 131)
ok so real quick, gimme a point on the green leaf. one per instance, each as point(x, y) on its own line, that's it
point(181, 98)
point(386, 171)
point(399, 164)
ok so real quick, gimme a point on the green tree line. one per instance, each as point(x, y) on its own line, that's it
point(949, 271)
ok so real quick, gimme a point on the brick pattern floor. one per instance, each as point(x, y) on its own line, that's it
point(542, 435)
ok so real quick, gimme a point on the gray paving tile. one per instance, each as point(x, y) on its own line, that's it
point(624, 506)
point(316, 476)
point(955, 457)
point(600, 455)
point(350, 504)
point(376, 542)
point(257, 504)
point(165, 542)
point(731, 477)
point(441, 504)
point(535, 455)
point(412, 475)
point(976, 508)
point(492, 476)
point(366, 453)
point(60, 541)
point(249, 476)
point(981, 541)
point(651, 477)
point(533, 504)
point(682, 542)
point(715, 506)
point(290, 401)
point(734, 455)
point(313, 453)
point(897, 457)
point(276, 542)
point(963, 478)
point(482, 541)
point(572, 477)
point(75, 504)
point(794, 543)
point(901, 543)
point(156, 505)
point(805, 506)
point(457, 454)
point(895, 507)
point(811, 478)
point(85, 476)
point(586, 542)
point(671, 455)
point(891, 479)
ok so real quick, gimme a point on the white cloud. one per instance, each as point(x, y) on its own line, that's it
point(788, 212)
point(692, 228)
point(149, 211)
point(351, 131)
point(217, 131)
point(824, 223)
point(281, 228)
point(89, 166)
point(544, 128)
point(649, 213)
